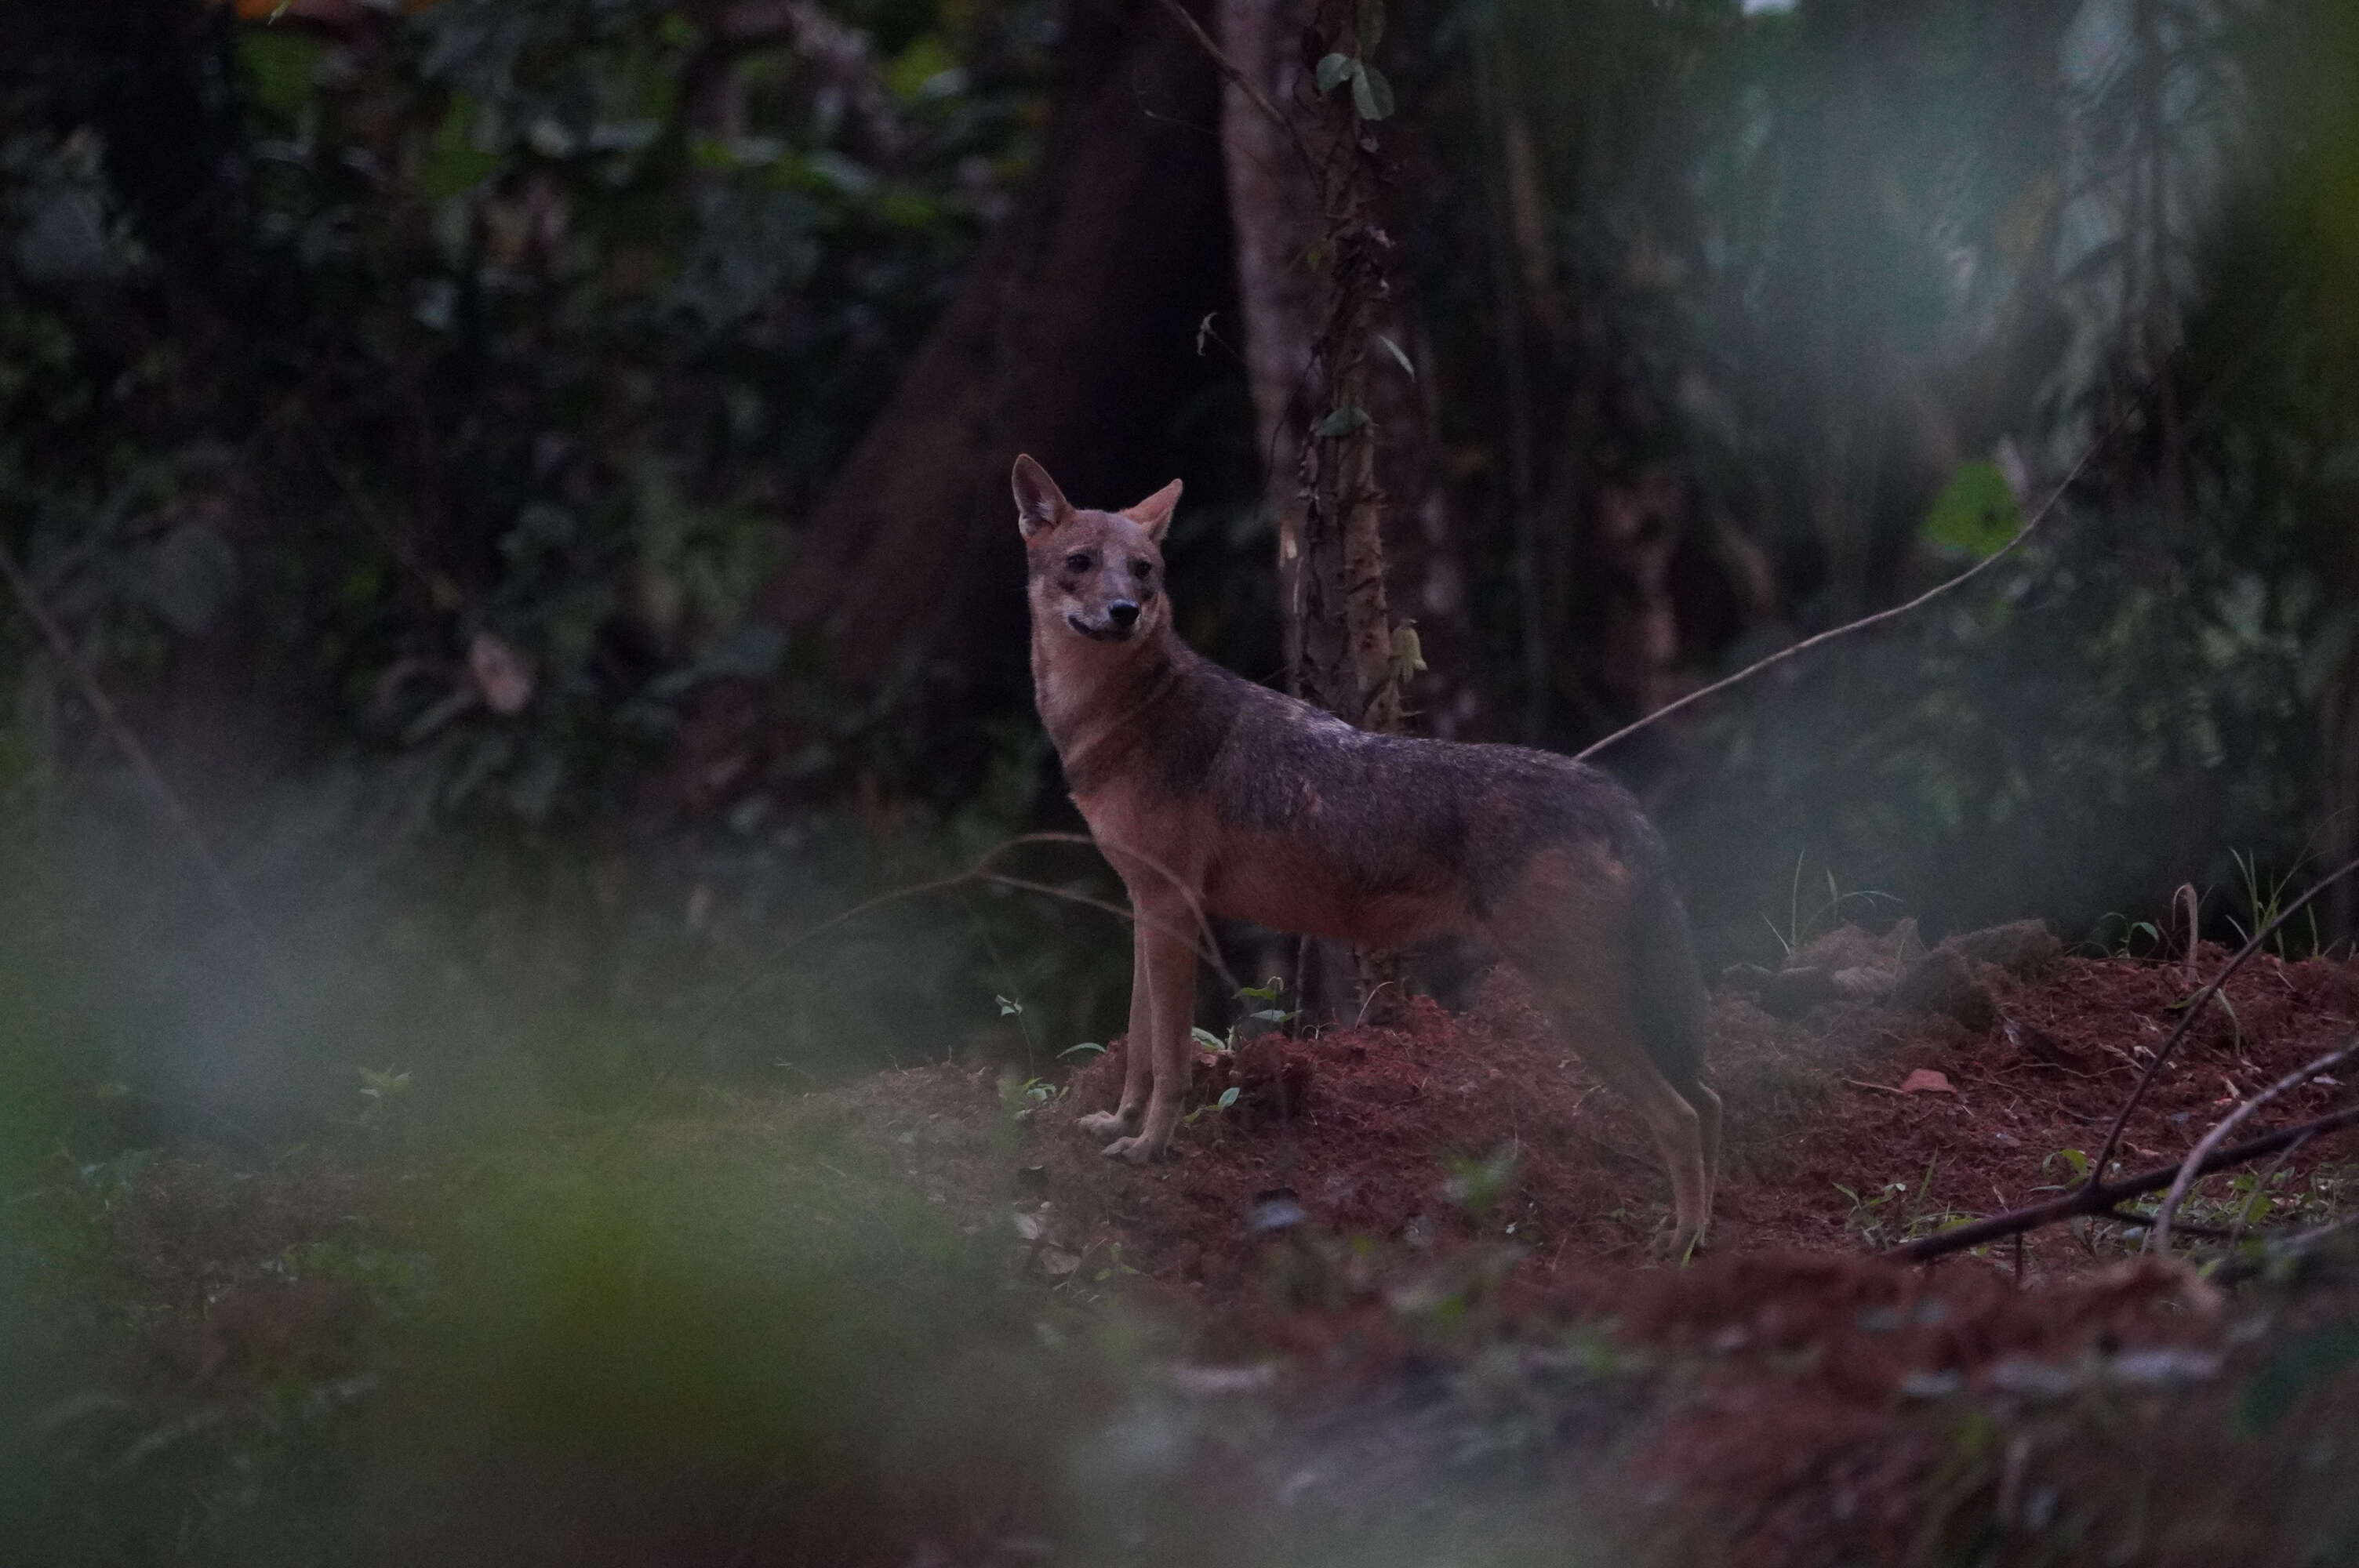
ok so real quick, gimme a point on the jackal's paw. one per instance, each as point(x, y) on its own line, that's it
point(1137, 1150)
point(1106, 1124)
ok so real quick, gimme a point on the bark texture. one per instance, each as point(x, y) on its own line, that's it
point(1305, 199)
point(1276, 210)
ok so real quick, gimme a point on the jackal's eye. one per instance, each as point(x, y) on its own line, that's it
point(1076, 562)
point(1142, 570)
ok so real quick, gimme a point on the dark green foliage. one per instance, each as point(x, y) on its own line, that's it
point(1839, 279)
point(523, 341)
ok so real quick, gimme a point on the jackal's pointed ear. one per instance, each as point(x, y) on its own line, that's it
point(1039, 504)
point(1154, 513)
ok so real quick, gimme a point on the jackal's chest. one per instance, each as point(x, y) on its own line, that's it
point(1143, 836)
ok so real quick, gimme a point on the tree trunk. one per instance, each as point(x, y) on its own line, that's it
point(1346, 428)
point(1073, 338)
point(1274, 209)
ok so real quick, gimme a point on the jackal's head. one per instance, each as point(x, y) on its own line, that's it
point(1091, 574)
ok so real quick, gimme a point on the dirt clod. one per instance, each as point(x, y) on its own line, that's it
point(2020, 947)
point(1943, 982)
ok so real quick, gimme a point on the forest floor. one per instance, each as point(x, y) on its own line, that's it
point(1393, 1299)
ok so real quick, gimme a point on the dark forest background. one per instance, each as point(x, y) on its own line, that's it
point(530, 475)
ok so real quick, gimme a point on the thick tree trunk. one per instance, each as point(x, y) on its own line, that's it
point(1073, 339)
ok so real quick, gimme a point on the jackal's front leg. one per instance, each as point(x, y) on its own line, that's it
point(1168, 951)
point(1137, 1052)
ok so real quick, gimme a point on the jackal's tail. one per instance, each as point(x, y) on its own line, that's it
point(1670, 989)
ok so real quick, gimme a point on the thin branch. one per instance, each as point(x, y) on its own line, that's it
point(1244, 84)
point(1210, 952)
point(981, 872)
point(1861, 624)
point(2096, 1200)
point(175, 810)
point(2194, 1009)
point(2158, 1238)
point(1208, 949)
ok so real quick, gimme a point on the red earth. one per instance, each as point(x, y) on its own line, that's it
point(1787, 1399)
point(1399, 1297)
point(1445, 1128)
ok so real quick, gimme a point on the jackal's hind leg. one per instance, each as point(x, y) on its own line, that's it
point(1707, 1109)
point(1567, 926)
point(1169, 950)
point(1137, 1052)
point(1678, 1131)
point(1589, 1003)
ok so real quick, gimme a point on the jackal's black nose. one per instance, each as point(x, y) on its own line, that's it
point(1122, 613)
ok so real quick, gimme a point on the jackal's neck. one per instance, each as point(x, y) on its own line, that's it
point(1089, 694)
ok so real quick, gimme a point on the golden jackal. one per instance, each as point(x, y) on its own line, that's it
point(1212, 796)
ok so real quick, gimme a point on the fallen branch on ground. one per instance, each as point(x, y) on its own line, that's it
point(2158, 1238)
point(2194, 1009)
point(2093, 1201)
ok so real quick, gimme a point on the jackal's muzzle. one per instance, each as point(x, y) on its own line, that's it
point(1121, 616)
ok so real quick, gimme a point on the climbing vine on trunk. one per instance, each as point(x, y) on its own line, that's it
point(1340, 638)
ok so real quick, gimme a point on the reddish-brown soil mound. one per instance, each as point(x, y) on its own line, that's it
point(1390, 1297)
point(1444, 1128)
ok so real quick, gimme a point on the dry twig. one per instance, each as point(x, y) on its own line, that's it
point(1244, 84)
point(135, 751)
point(1207, 948)
point(2095, 1195)
point(1864, 622)
point(2194, 1009)
point(2157, 1239)
point(2096, 1200)
point(1201, 938)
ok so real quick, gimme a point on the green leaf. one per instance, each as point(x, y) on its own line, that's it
point(455, 163)
point(1372, 95)
point(834, 171)
point(1333, 68)
point(1341, 422)
point(1371, 21)
point(1975, 512)
point(913, 72)
point(1228, 1097)
point(1208, 1040)
point(281, 68)
point(1399, 358)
